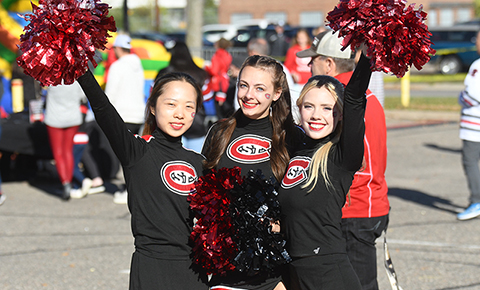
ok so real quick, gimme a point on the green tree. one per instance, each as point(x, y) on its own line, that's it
point(210, 14)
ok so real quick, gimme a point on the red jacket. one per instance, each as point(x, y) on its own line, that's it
point(218, 69)
point(298, 65)
point(368, 193)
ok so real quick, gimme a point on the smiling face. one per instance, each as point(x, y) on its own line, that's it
point(175, 108)
point(319, 114)
point(256, 92)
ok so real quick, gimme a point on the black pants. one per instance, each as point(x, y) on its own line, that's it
point(147, 273)
point(360, 234)
point(326, 272)
point(98, 157)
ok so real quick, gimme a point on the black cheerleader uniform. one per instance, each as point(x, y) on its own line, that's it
point(159, 174)
point(311, 220)
point(249, 149)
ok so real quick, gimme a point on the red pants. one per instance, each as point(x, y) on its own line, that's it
point(61, 143)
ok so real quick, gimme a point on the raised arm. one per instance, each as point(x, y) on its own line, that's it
point(109, 120)
point(351, 141)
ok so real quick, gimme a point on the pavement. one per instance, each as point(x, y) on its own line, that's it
point(46, 243)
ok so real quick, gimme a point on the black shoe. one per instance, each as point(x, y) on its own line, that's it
point(66, 191)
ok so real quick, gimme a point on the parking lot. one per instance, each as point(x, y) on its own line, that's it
point(87, 243)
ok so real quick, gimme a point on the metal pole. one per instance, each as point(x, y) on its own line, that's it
point(405, 90)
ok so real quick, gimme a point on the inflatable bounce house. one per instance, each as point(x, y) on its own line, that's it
point(153, 55)
point(11, 27)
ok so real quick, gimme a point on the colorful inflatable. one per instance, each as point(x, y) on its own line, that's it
point(153, 55)
point(11, 27)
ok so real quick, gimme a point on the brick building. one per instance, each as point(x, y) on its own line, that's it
point(313, 12)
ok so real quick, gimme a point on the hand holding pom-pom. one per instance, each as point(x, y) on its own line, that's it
point(213, 234)
point(396, 36)
point(62, 37)
point(255, 208)
point(234, 226)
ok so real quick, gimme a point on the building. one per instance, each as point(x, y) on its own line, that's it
point(313, 12)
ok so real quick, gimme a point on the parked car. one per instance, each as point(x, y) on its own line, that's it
point(161, 38)
point(181, 36)
point(246, 33)
point(213, 32)
point(455, 48)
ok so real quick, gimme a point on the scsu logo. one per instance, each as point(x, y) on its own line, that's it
point(296, 172)
point(178, 176)
point(249, 149)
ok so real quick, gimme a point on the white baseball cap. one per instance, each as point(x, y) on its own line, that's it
point(123, 40)
point(327, 44)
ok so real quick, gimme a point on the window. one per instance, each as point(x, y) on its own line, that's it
point(276, 16)
point(236, 17)
point(446, 17)
point(463, 14)
point(312, 18)
point(432, 18)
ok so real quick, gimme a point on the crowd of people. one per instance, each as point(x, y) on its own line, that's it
point(311, 124)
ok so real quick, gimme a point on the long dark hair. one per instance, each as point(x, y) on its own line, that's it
point(158, 89)
point(281, 118)
point(181, 61)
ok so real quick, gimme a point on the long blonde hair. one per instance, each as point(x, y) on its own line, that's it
point(320, 157)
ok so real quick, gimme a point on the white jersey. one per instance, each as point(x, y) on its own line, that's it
point(470, 101)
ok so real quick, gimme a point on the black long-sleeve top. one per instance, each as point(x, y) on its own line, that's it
point(249, 147)
point(159, 174)
point(311, 220)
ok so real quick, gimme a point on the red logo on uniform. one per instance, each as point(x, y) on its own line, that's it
point(179, 176)
point(296, 172)
point(249, 149)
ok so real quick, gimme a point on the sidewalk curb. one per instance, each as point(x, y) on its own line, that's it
point(398, 119)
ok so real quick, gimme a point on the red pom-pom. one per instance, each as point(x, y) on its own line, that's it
point(62, 37)
point(214, 247)
point(396, 36)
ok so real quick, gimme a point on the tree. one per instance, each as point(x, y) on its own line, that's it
point(126, 26)
point(477, 8)
point(194, 26)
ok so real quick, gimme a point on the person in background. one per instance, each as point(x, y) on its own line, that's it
point(319, 30)
point(278, 42)
point(470, 135)
point(98, 158)
point(297, 66)
point(377, 86)
point(231, 105)
point(81, 184)
point(219, 80)
point(365, 214)
point(182, 61)
point(63, 117)
point(125, 90)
